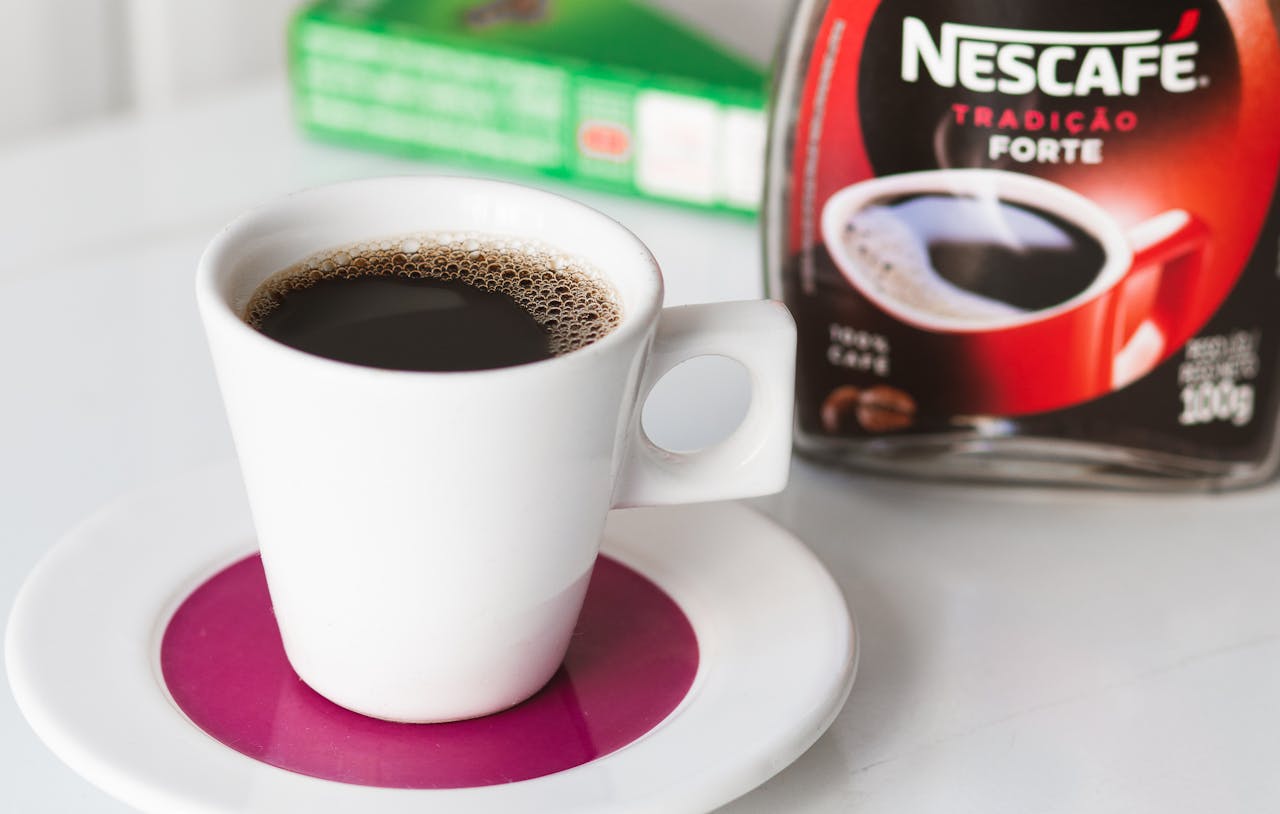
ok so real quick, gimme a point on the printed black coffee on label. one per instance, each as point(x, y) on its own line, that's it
point(1032, 240)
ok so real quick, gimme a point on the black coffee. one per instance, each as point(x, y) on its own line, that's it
point(1012, 253)
point(970, 259)
point(424, 303)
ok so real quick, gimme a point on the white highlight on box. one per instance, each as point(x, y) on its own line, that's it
point(696, 150)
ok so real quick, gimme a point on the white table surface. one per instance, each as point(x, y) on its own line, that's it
point(1022, 650)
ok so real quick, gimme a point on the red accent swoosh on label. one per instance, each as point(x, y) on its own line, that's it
point(1186, 25)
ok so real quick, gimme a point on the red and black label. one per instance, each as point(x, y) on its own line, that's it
point(1063, 215)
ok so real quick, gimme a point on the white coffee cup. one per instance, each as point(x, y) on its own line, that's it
point(428, 537)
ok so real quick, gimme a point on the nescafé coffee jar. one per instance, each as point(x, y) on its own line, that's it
point(1032, 241)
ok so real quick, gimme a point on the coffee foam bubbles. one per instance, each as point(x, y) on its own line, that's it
point(888, 244)
point(563, 294)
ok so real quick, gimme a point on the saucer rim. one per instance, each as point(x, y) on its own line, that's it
point(755, 760)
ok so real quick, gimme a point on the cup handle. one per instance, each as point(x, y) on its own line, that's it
point(1167, 251)
point(755, 459)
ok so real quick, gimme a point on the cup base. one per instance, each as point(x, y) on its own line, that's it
point(632, 658)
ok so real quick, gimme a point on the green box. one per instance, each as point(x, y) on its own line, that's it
point(613, 95)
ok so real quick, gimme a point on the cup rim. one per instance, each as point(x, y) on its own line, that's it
point(217, 312)
point(1012, 186)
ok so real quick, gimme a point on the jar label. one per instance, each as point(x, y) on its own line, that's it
point(1062, 217)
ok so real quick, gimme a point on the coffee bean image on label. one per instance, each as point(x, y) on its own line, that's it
point(840, 409)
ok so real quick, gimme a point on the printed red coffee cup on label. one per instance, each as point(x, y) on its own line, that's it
point(1009, 270)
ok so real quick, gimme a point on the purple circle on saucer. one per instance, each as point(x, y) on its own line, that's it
point(632, 660)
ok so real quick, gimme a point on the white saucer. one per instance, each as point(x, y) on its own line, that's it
point(777, 659)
